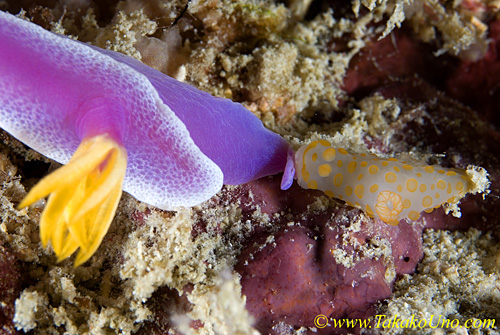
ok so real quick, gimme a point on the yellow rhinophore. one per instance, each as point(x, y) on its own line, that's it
point(84, 195)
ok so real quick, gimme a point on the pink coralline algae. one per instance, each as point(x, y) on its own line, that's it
point(332, 261)
point(10, 288)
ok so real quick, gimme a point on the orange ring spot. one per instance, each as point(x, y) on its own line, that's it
point(411, 185)
point(337, 180)
point(373, 169)
point(348, 191)
point(390, 177)
point(406, 203)
point(414, 215)
point(359, 190)
point(351, 167)
point(313, 185)
point(324, 170)
point(329, 154)
point(427, 201)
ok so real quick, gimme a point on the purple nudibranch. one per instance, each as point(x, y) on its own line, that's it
point(112, 113)
point(56, 91)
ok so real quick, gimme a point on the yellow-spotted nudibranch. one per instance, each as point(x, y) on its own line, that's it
point(387, 189)
point(117, 123)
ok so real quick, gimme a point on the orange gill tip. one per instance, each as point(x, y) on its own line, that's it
point(84, 195)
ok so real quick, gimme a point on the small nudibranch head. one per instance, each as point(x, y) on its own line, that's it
point(84, 195)
point(385, 188)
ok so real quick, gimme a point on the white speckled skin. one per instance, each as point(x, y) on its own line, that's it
point(54, 92)
point(385, 188)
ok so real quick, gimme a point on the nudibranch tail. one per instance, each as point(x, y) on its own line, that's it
point(84, 195)
point(388, 189)
point(289, 171)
